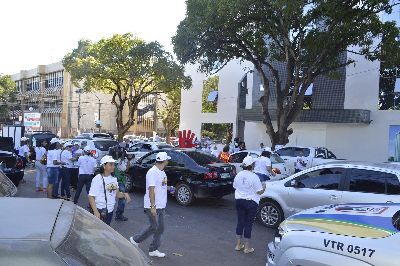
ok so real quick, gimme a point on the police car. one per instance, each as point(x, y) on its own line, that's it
point(347, 234)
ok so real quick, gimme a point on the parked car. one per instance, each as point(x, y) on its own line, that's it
point(99, 147)
point(7, 187)
point(142, 148)
point(278, 164)
point(192, 173)
point(36, 138)
point(94, 136)
point(59, 233)
point(349, 234)
point(332, 183)
point(314, 156)
point(10, 164)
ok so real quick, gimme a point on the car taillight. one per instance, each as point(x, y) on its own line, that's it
point(276, 171)
point(210, 176)
point(19, 164)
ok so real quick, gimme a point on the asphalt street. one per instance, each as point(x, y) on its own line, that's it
point(201, 234)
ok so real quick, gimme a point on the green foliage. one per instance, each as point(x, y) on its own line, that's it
point(220, 131)
point(209, 85)
point(126, 67)
point(308, 36)
point(7, 95)
point(170, 113)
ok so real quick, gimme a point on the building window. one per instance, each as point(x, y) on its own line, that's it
point(210, 95)
point(308, 97)
point(54, 79)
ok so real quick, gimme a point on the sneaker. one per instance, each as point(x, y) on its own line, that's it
point(121, 218)
point(157, 254)
point(133, 241)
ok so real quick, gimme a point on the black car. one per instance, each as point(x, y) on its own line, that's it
point(192, 173)
point(11, 165)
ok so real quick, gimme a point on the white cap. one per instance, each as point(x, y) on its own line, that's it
point(87, 149)
point(248, 160)
point(162, 156)
point(54, 140)
point(107, 159)
point(24, 139)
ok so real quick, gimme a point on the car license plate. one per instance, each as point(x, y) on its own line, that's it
point(225, 175)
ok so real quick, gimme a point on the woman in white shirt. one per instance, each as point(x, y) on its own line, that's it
point(263, 166)
point(40, 152)
point(53, 167)
point(248, 189)
point(104, 190)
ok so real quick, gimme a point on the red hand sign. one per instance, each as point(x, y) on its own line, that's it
point(186, 139)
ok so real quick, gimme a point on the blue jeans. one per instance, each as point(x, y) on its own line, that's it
point(109, 218)
point(83, 180)
point(65, 175)
point(52, 175)
point(121, 201)
point(155, 228)
point(246, 212)
point(263, 177)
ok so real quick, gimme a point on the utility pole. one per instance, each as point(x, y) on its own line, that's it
point(79, 91)
point(99, 114)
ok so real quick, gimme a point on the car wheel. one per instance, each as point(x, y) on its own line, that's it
point(270, 214)
point(128, 184)
point(184, 194)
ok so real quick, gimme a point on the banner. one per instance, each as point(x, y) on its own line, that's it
point(32, 121)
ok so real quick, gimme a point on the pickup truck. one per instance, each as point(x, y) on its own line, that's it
point(314, 155)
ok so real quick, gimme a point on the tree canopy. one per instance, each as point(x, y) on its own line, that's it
point(170, 112)
point(7, 94)
point(126, 67)
point(308, 36)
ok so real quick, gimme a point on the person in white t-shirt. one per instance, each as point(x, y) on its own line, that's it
point(155, 202)
point(301, 162)
point(215, 151)
point(248, 189)
point(23, 150)
point(40, 167)
point(65, 171)
point(263, 166)
point(104, 191)
point(53, 167)
point(87, 165)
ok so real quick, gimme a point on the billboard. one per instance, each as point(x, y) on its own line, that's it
point(32, 121)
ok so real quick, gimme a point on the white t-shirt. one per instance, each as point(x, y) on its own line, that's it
point(301, 163)
point(246, 185)
point(261, 165)
point(97, 191)
point(40, 151)
point(215, 153)
point(66, 157)
point(158, 179)
point(87, 164)
point(53, 155)
point(22, 150)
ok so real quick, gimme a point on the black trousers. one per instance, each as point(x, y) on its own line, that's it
point(83, 180)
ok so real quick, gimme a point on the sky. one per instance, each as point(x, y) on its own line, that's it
point(43, 31)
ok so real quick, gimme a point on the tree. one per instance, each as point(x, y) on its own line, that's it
point(209, 85)
point(308, 36)
point(7, 95)
point(126, 67)
point(170, 113)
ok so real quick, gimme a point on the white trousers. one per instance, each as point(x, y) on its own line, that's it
point(41, 173)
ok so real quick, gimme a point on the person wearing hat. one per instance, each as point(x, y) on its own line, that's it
point(87, 165)
point(155, 201)
point(65, 171)
point(104, 191)
point(40, 164)
point(23, 151)
point(248, 189)
point(53, 167)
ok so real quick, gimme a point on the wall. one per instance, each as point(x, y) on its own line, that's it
point(229, 77)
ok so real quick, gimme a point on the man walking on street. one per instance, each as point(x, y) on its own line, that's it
point(87, 164)
point(155, 201)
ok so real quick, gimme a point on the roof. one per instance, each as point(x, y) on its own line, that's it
point(28, 218)
point(387, 166)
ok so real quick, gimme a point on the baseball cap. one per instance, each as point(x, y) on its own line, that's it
point(87, 149)
point(162, 156)
point(248, 160)
point(54, 140)
point(107, 159)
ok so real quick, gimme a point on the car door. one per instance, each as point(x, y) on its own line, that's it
point(365, 185)
point(288, 155)
point(315, 188)
point(140, 169)
point(176, 168)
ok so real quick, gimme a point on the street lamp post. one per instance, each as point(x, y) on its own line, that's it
point(99, 103)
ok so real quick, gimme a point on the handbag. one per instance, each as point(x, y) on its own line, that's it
point(103, 212)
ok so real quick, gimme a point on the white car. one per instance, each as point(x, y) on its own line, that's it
point(314, 155)
point(333, 183)
point(93, 136)
point(344, 234)
point(99, 147)
point(278, 164)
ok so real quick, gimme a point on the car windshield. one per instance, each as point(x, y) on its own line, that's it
point(202, 158)
point(92, 242)
point(7, 188)
point(105, 145)
point(275, 158)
